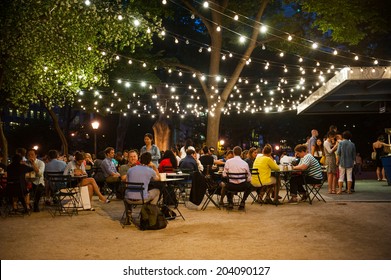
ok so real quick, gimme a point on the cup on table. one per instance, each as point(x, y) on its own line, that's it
point(163, 176)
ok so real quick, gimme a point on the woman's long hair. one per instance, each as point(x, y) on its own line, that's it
point(170, 155)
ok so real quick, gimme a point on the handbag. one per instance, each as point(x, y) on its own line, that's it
point(322, 160)
point(373, 155)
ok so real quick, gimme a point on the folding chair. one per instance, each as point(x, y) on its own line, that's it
point(258, 186)
point(66, 195)
point(128, 216)
point(313, 190)
point(183, 187)
point(212, 189)
point(235, 193)
point(11, 190)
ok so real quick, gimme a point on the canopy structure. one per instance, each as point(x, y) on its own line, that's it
point(354, 90)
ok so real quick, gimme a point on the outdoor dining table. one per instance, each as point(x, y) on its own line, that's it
point(286, 175)
point(172, 177)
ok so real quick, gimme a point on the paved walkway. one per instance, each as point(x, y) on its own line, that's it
point(347, 227)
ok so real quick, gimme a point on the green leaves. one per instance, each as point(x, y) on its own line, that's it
point(51, 49)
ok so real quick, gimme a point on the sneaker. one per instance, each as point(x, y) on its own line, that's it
point(230, 206)
point(292, 201)
point(384, 179)
point(303, 197)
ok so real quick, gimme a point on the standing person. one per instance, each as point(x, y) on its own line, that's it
point(346, 154)
point(358, 164)
point(312, 140)
point(145, 172)
point(38, 181)
point(318, 150)
point(151, 148)
point(378, 147)
point(331, 161)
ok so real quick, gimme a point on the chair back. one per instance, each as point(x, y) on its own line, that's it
point(237, 178)
point(168, 169)
point(255, 174)
point(135, 188)
point(57, 180)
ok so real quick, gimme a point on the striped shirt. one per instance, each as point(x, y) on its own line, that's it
point(314, 169)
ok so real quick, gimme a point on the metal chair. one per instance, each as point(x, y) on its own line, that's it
point(313, 190)
point(263, 191)
point(66, 195)
point(212, 188)
point(128, 216)
point(234, 189)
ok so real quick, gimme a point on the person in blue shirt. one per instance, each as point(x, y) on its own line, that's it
point(145, 172)
point(151, 148)
point(346, 155)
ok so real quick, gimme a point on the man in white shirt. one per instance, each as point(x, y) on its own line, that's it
point(37, 180)
point(237, 165)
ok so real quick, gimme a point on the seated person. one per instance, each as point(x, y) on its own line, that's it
point(132, 161)
point(112, 176)
point(207, 160)
point(236, 165)
point(168, 163)
point(145, 172)
point(78, 168)
point(53, 165)
point(189, 162)
point(108, 167)
point(16, 173)
point(313, 175)
point(265, 164)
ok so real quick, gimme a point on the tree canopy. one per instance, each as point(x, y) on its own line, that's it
point(52, 49)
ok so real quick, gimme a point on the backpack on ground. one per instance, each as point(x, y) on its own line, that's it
point(152, 218)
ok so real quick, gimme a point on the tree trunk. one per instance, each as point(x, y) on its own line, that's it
point(212, 135)
point(162, 134)
point(4, 144)
point(59, 131)
point(122, 128)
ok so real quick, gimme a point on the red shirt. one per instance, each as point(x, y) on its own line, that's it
point(164, 165)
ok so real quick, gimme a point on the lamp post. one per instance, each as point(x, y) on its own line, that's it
point(95, 126)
